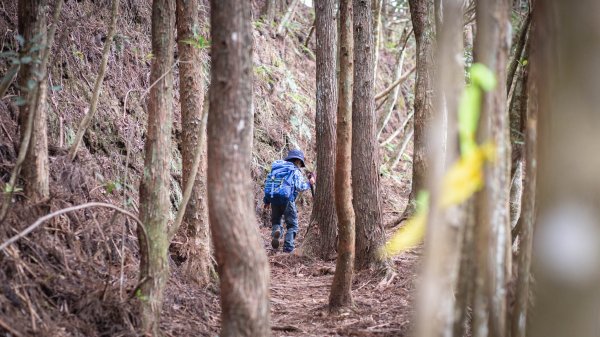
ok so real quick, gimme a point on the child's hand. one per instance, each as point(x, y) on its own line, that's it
point(312, 178)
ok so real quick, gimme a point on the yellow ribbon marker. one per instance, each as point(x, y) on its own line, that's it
point(412, 233)
point(465, 177)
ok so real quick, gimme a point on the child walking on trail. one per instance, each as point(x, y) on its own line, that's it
point(282, 186)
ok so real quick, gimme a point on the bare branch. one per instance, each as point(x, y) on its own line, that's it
point(41, 220)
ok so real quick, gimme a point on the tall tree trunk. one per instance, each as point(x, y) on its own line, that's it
point(32, 26)
point(492, 205)
point(154, 187)
point(268, 11)
point(341, 287)
point(287, 17)
point(526, 220)
point(517, 116)
point(445, 230)
point(421, 16)
point(191, 88)
point(377, 6)
point(323, 244)
point(567, 234)
point(516, 59)
point(242, 261)
point(365, 159)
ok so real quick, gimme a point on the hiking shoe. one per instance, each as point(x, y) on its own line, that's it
point(275, 241)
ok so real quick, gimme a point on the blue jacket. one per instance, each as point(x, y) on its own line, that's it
point(299, 182)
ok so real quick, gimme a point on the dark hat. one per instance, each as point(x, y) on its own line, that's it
point(295, 154)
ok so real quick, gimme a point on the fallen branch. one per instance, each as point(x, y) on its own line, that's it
point(10, 329)
point(389, 89)
point(402, 149)
point(87, 120)
point(397, 132)
point(41, 220)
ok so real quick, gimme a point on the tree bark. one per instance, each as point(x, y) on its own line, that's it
point(242, 263)
point(268, 12)
point(521, 42)
point(517, 116)
point(32, 26)
point(492, 203)
point(365, 160)
point(341, 287)
point(421, 16)
point(567, 283)
point(445, 227)
point(323, 243)
point(191, 92)
point(526, 220)
point(154, 187)
point(377, 5)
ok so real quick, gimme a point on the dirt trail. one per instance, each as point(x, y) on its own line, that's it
point(300, 292)
point(299, 296)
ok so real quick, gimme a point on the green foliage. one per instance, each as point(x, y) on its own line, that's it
point(78, 54)
point(264, 73)
point(140, 295)
point(112, 186)
point(198, 41)
point(482, 79)
point(8, 188)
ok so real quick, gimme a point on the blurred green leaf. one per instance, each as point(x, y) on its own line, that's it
point(483, 77)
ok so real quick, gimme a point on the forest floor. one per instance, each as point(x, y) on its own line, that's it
point(299, 296)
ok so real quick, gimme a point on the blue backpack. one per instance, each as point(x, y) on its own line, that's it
point(279, 184)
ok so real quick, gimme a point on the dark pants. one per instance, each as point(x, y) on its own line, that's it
point(290, 215)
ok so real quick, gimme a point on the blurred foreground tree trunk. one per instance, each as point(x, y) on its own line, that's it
point(422, 21)
point(242, 261)
point(567, 238)
point(492, 203)
point(191, 88)
point(32, 26)
point(323, 243)
point(341, 287)
point(445, 229)
point(154, 187)
point(370, 234)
